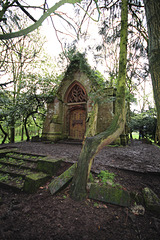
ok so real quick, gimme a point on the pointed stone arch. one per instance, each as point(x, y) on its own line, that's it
point(76, 93)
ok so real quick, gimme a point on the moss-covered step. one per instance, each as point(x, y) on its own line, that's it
point(16, 183)
point(34, 181)
point(3, 151)
point(109, 194)
point(18, 163)
point(24, 156)
point(15, 171)
point(29, 184)
point(49, 165)
point(62, 180)
point(35, 170)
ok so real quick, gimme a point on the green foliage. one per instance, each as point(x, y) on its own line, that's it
point(34, 85)
point(144, 122)
point(64, 196)
point(96, 204)
point(106, 176)
point(91, 178)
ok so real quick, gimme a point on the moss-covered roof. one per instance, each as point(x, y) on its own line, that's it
point(79, 63)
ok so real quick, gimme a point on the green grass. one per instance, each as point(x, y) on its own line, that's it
point(135, 135)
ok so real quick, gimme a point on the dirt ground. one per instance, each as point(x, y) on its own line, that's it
point(43, 216)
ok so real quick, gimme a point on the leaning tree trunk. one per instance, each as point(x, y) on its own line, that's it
point(152, 9)
point(93, 145)
point(25, 123)
point(5, 134)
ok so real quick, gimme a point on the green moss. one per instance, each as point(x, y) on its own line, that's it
point(4, 177)
point(78, 62)
point(106, 176)
point(91, 178)
point(3, 152)
point(152, 201)
point(62, 180)
point(114, 195)
point(34, 181)
point(92, 122)
point(49, 166)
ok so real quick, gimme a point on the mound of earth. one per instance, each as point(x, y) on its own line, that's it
point(43, 216)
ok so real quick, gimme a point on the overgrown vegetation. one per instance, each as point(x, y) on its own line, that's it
point(107, 177)
point(144, 123)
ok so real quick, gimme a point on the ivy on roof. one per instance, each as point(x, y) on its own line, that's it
point(78, 62)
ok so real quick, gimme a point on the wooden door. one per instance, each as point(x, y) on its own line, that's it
point(77, 123)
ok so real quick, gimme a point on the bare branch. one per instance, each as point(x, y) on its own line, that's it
point(39, 22)
point(84, 18)
point(27, 13)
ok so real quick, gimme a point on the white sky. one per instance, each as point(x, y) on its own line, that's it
point(52, 46)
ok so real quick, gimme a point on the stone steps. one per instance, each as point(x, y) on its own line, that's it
point(24, 156)
point(18, 163)
point(15, 171)
point(25, 172)
point(8, 181)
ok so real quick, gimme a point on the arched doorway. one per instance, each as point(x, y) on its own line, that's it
point(76, 101)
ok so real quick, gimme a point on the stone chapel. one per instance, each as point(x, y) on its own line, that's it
point(73, 112)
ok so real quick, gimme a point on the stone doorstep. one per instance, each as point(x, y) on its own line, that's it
point(113, 195)
point(59, 182)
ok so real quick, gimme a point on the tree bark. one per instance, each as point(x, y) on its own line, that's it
point(152, 9)
point(26, 130)
point(25, 122)
point(12, 131)
point(92, 145)
point(5, 134)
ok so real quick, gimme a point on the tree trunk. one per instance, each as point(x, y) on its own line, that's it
point(93, 145)
point(22, 132)
point(25, 123)
point(152, 9)
point(25, 127)
point(12, 131)
point(5, 134)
